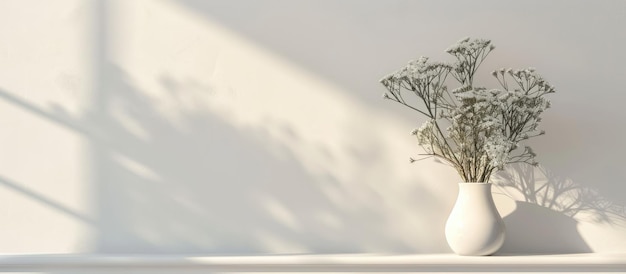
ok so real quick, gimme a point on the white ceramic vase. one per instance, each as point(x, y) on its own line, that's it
point(474, 227)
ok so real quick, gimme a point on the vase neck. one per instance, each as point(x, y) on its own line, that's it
point(475, 189)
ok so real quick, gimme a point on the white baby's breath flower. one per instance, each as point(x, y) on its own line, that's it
point(498, 148)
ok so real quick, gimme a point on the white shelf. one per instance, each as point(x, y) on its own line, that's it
point(320, 263)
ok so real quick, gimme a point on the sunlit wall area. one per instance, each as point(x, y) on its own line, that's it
point(45, 81)
point(254, 127)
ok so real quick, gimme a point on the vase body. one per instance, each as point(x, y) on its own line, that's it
point(474, 227)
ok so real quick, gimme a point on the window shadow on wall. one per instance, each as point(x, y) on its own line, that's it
point(168, 179)
point(198, 185)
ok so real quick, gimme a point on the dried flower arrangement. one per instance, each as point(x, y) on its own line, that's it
point(474, 129)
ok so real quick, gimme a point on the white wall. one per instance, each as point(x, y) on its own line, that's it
point(258, 126)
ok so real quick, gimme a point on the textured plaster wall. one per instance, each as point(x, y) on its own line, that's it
point(246, 127)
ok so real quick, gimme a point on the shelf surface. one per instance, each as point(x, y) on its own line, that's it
point(321, 263)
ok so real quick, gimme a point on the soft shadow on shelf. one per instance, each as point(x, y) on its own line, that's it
point(548, 211)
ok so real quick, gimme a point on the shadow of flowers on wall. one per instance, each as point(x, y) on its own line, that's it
point(549, 209)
